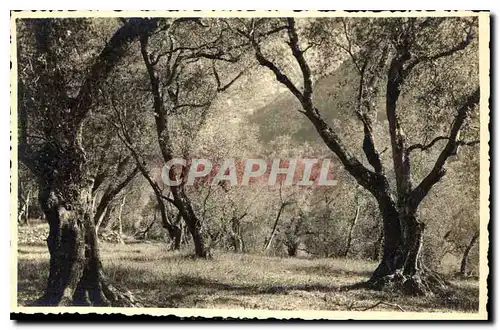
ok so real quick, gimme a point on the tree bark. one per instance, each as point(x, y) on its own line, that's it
point(181, 200)
point(377, 246)
point(351, 230)
point(75, 271)
point(102, 215)
point(392, 238)
point(292, 248)
point(23, 216)
point(174, 229)
point(120, 231)
point(235, 233)
point(201, 244)
point(275, 226)
point(463, 264)
point(403, 233)
point(177, 238)
point(111, 192)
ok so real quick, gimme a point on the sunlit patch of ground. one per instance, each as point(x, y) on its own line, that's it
point(161, 278)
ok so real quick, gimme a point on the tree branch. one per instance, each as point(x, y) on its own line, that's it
point(438, 171)
point(112, 53)
point(422, 147)
point(456, 48)
point(281, 77)
point(304, 67)
point(374, 182)
point(427, 146)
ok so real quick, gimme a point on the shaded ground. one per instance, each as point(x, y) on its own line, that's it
point(159, 278)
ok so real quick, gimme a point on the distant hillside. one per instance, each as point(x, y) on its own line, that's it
point(334, 96)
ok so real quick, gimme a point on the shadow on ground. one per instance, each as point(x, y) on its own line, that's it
point(323, 270)
point(208, 289)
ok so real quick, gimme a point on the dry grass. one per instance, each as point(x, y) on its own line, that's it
point(159, 278)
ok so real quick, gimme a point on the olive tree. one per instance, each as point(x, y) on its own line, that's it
point(421, 63)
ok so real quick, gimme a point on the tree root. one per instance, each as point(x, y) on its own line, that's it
point(106, 294)
point(422, 283)
point(117, 297)
point(381, 303)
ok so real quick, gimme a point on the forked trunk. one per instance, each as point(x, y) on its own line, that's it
point(173, 227)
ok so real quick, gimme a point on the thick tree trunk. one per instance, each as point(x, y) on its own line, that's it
point(402, 232)
point(463, 264)
point(201, 247)
point(413, 239)
point(392, 239)
point(75, 271)
point(402, 266)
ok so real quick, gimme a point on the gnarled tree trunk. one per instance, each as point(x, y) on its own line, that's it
point(61, 167)
point(402, 266)
point(401, 262)
point(75, 273)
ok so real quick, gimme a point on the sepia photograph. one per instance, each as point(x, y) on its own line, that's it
point(251, 164)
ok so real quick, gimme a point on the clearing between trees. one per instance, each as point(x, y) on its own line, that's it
point(157, 277)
